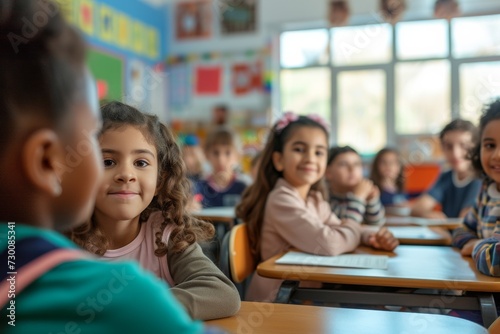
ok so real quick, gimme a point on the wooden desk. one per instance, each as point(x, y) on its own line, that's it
point(281, 318)
point(415, 267)
point(224, 214)
point(449, 223)
point(421, 235)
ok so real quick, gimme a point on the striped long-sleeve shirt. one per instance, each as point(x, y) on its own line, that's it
point(486, 254)
point(483, 220)
point(352, 207)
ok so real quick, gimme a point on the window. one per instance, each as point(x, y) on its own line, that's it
point(422, 96)
point(369, 44)
point(361, 110)
point(304, 48)
point(422, 39)
point(302, 97)
point(380, 84)
point(479, 84)
point(476, 36)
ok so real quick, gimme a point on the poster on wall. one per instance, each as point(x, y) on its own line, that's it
point(179, 87)
point(238, 16)
point(107, 70)
point(208, 80)
point(193, 19)
point(246, 77)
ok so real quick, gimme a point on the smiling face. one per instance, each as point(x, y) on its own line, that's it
point(455, 146)
point(130, 175)
point(490, 150)
point(303, 160)
point(345, 171)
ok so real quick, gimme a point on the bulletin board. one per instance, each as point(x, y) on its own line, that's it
point(108, 71)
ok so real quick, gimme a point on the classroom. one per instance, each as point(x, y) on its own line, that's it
point(250, 166)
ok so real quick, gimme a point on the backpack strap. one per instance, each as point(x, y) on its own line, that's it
point(34, 256)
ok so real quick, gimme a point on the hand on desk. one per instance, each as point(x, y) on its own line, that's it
point(383, 239)
point(469, 247)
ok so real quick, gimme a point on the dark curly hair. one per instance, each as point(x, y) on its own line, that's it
point(174, 187)
point(490, 113)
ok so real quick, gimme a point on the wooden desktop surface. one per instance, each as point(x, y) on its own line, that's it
point(285, 318)
point(432, 267)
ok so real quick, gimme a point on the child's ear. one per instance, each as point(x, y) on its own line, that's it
point(277, 161)
point(43, 161)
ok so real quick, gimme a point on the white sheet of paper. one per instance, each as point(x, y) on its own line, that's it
point(423, 221)
point(413, 232)
point(366, 261)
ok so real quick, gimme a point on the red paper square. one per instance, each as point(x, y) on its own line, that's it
point(208, 80)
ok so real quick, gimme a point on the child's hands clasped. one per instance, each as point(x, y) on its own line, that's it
point(383, 239)
point(469, 247)
point(364, 189)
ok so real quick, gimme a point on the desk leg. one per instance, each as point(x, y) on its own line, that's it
point(287, 289)
point(488, 309)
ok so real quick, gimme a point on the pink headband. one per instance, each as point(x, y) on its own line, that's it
point(289, 117)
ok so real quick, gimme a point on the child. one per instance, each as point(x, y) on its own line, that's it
point(49, 174)
point(222, 187)
point(352, 196)
point(140, 213)
point(193, 157)
point(387, 175)
point(480, 231)
point(285, 208)
point(455, 190)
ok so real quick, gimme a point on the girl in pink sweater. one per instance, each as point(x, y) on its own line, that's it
point(285, 207)
point(140, 213)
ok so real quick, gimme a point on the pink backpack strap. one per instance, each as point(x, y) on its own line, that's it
point(34, 267)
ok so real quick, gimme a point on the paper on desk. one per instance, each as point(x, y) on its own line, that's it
point(366, 261)
point(423, 221)
point(413, 232)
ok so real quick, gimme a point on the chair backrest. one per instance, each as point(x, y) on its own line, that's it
point(236, 260)
point(241, 262)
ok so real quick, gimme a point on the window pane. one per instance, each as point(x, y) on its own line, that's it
point(368, 44)
point(306, 91)
point(479, 84)
point(422, 39)
point(422, 96)
point(476, 36)
point(304, 48)
point(361, 110)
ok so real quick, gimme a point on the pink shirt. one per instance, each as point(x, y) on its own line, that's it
point(310, 226)
point(141, 249)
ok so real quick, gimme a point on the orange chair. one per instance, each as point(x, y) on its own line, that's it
point(236, 260)
point(419, 178)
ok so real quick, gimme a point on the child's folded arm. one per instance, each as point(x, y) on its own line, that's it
point(486, 254)
point(201, 287)
point(323, 235)
point(467, 231)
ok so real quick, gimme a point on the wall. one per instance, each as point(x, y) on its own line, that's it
point(128, 45)
point(274, 16)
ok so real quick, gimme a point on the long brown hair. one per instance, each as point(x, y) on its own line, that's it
point(174, 187)
point(375, 175)
point(254, 198)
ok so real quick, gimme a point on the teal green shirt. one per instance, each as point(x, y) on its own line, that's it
point(90, 296)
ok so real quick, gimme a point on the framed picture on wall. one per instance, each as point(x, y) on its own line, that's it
point(193, 19)
point(238, 16)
